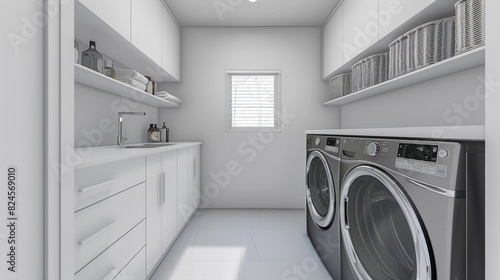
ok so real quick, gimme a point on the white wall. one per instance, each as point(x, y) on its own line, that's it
point(445, 101)
point(492, 140)
point(274, 178)
point(22, 126)
point(96, 118)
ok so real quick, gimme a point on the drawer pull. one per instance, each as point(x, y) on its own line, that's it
point(96, 186)
point(82, 242)
point(110, 275)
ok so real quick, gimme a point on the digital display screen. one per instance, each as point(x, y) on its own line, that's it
point(331, 141)
point(418, 152)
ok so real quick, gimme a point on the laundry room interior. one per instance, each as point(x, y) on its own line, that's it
point(250, 139)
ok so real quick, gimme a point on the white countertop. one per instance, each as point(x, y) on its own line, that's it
point(104, 154)
point(471, 133)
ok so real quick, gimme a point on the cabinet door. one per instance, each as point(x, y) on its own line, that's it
point(193, 178)
point(182, 185)
point(116, 13)
point(393, 13)
point(169, 207)
point(170, 41)
point(360, 26)
point(146, 28)
point(153, 210)
point(332, 43)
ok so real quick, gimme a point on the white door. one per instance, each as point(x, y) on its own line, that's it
point(169, 198)
point(154, 189)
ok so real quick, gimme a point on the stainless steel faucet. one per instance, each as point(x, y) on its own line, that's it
point(121, 138)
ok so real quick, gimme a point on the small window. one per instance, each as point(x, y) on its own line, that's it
point(253, 101)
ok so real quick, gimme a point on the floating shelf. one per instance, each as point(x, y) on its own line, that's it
point(468, 60)
point(91, 78)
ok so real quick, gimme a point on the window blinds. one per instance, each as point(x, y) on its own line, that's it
point(253, 100)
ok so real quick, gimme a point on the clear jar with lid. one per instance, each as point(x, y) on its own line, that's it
point(108, 69)
point(92, 59)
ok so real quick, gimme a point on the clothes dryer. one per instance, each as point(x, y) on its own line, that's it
point(411, 209)
point(322, 189)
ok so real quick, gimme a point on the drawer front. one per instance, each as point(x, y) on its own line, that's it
point(95, 183)
point(135, 269)
point(108, 264)
point(100, 225)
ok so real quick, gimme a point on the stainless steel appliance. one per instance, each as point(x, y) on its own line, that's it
point(322, 189)
point(412, 210)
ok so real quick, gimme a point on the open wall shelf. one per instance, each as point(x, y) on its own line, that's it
point(91, 78)
point(468, 60)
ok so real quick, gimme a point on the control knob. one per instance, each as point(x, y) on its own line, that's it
point(317, 142)
point(373, 149)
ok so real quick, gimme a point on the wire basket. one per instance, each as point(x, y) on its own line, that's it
point(340, 85)
point(370, 71)
point(422, 46)
point(471, 31)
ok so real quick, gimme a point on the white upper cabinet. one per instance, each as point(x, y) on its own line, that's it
point(332, 43)
point(146, 27)
point(393, 13)
point(170, 44)
point(360, 26)
point(116, 13)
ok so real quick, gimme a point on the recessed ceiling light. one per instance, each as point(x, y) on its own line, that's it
point(253, 1)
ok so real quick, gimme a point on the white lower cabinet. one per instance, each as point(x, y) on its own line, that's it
point(111, 262)
point(194, 183)
point(135, 269)
point(161, 180)
point(182, 188)
point(97, 227)
point(129, 212)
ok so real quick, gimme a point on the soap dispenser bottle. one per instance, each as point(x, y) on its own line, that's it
point(164, 133)
point(151, 133)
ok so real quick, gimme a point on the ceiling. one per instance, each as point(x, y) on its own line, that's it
point(243, 13)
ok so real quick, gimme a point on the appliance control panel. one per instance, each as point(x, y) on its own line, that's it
point(421, 158)
point(376, 148)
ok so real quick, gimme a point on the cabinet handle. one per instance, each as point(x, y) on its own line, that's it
point(163, 185)
point(90, 188)
point(194, 168)
point(82, 242)
point(109, 275)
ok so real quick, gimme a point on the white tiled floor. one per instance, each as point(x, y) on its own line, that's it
point(243, 245)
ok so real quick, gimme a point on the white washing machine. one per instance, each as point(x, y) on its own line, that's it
point(322, 189)
point(412, 210)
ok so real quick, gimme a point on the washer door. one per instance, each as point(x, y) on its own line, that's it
point(320, 190)
point(381, 233)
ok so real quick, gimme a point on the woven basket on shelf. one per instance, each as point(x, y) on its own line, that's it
point(340, 85)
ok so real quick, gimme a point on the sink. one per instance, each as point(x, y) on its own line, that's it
point(148, 145)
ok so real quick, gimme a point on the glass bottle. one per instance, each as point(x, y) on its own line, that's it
point(92, 59)
point(151, 133)
point(157, 134)
point(108, 69)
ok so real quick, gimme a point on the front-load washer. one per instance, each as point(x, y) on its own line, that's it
point(322, 189)
point(412, 210)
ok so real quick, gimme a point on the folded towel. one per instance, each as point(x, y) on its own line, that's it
point(133, 83)
point(125, 74)
point(167, 96)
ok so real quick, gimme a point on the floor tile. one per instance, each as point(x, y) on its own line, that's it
point(273, 245)
point(243, 245)
point(269, 219)
point(174, 270)
point(216, 270)
point(231, 219)
point(278, 270)
point(216, 244)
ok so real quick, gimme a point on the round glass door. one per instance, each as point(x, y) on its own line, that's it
point(382, 234)
point(320, 191)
